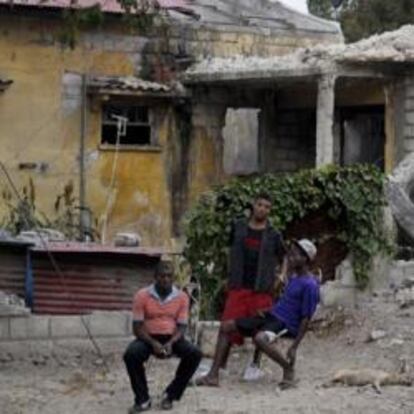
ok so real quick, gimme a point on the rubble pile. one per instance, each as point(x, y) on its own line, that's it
point(404, 294)
point(12, 305)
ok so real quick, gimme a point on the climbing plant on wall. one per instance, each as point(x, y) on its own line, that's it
point(352, 196)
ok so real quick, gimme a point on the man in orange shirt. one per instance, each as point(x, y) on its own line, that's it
point(160, 314)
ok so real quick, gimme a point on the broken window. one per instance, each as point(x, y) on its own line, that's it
point(363, 136)
point(241, 141)
point(136, 129)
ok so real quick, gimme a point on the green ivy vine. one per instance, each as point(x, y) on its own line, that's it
point(352, 196)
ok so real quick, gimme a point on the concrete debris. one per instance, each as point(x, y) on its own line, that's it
point(408, 283)
point(396, 342)
point(334, 294)
point(398, 194)
point(376, 335)
point(12, 305)
point(395, 46)
point(41, 236)
point(405, 297)
point(6, 357)
point(127, 240)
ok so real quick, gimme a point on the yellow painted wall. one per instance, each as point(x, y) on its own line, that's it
point(35, 128)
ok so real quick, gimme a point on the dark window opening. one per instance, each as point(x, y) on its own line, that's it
point(363, 135)
point(138, 125)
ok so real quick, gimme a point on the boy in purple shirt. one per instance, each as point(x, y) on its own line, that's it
point(291, 313)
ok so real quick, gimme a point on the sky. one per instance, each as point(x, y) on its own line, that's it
point(296, 4)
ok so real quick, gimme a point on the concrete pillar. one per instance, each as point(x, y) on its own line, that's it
point(390, 132)
point(325, 121)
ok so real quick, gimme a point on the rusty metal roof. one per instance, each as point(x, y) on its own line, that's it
point(107, 6)
point(128, 83)
point(76, 247)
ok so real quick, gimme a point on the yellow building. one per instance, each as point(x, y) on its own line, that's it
point(62, 108)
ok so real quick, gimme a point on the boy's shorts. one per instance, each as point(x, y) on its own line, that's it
point(251, 326)
point(244, 303)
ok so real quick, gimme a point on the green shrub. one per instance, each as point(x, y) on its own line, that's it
point(352, 196)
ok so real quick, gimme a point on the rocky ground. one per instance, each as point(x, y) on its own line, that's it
point(68, 378)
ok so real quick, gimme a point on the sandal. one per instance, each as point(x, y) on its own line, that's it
point(288, 384)
point(205, 381)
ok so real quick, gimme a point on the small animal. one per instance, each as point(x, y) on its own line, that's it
point(376, 378)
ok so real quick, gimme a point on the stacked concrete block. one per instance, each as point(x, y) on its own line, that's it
point(110, 323)
point(47, 327)
point(33, 327)
point(409, 116)
point(68, 327)
point(4, 328)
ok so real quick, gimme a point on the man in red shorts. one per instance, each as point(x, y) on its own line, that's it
point(256, 250)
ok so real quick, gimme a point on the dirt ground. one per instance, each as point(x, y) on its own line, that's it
point(67, 378)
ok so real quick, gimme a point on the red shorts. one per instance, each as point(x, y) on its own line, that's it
point(244, 303)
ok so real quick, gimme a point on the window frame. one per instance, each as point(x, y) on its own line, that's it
point(151, 146)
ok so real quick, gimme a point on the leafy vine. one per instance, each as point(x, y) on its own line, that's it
point(352, 196)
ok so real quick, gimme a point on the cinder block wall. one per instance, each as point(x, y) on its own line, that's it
point(45, 327)
point(408, 143)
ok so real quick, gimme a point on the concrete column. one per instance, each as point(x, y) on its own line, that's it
point(325, 121)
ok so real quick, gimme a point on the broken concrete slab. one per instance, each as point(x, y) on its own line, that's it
point(376, 335)
point(12, 305)
point(334, 294)
point(398, 194)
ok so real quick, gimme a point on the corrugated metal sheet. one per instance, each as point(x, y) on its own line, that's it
point(92, 281)
point(76, 247)
point(13, 268)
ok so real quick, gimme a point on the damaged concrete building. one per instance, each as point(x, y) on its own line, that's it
point(338, 104)
point(57, 106)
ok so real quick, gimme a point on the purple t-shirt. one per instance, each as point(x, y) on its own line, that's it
point(299, 300)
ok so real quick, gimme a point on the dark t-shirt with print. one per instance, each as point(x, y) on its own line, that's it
point(252, 243)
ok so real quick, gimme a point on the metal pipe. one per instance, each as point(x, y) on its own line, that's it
point(82, 177)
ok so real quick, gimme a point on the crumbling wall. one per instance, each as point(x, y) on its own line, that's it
point(44, 128)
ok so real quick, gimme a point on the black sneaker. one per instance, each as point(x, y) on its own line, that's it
point(166, 402)
point(140, 408)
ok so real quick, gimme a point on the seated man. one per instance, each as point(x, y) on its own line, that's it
point(291, 313)
point(160, 314)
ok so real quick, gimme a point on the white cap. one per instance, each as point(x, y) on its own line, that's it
point(308, 248)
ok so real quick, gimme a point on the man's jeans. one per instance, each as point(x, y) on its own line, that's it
point(138, 353)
